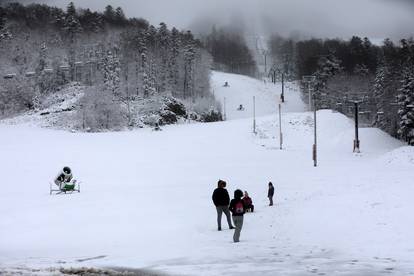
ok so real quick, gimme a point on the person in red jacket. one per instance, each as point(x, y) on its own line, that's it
point(248, 202)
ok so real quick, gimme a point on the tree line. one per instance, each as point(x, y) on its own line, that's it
point(230, 52)
point(122, 61)
point(380, 77)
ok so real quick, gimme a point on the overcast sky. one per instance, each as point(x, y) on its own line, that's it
point(376, 19)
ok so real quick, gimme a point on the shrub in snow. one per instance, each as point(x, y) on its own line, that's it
point(174, 106)
point(212, 116)
point(167, 117)
point(194, 116)
point(151, 120)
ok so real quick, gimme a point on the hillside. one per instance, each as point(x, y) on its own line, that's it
point(146, 196)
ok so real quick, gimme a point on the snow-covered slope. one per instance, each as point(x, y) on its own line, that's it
point(146, 196)
point(241, 90)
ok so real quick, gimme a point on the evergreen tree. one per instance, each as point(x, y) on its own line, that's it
point(4, 33)
point(328, 66)
point(72, 28)
point(120, 18)
point(406, 107)
point(148, 85)
point(109, 14)
point(42, 80)
point(91, 21)
point(111, 73)
point(163, 41)
point(173, 61)
point(189, 57)
point(380, 86)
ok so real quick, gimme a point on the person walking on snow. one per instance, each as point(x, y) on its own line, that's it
point(221, 200)
point(270, 193)
point(248, 203)
point(237, 209)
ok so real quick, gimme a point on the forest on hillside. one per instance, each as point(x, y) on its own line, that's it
point(127, 72)
point(380, 78)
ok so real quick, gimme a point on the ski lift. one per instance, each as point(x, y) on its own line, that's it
point(9, 76)
point(308, 79)
point(64, 68)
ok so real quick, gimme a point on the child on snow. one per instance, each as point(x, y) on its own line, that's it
point(237, 209)
point(270, 193)
point(248, 202)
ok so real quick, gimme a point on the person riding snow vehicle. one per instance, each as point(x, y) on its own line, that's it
point(65, 180)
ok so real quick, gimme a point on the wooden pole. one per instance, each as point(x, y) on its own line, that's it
point(280, 127)
point(315, 153)
point(254, 114)
point(224, 110)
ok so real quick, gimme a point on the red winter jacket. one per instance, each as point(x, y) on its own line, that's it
point(247, 201)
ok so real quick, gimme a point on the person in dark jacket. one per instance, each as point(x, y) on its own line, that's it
point(270, 193)
point(221, 200)
point(237, 209)
point(248, 202)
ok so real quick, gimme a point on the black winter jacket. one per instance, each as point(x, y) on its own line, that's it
point(271, 192)
point(221, 197)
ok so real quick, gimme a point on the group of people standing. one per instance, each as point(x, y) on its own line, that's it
point(238, 206)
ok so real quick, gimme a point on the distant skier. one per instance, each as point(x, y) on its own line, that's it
point(240, 108)
point(237, 209)
point(221, 200)
point(248, 203)
point(226, 84)
point(270, 193)
point(65, 179)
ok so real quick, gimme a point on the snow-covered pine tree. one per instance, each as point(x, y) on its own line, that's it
point(4, 33)
point(109, 14)
point(153, 77)
point(163, 41)
point(328, 66)
point(144, 71)
point(120, 16)
point(42, 80)
point(72, 28)
point(111, 73)
point(380, 85)
point(189, 58)
point(173, 66)
point(406, 106)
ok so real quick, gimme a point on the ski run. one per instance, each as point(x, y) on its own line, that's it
point(146, 196)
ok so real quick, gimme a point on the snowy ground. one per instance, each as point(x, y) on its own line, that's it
point(146, 197)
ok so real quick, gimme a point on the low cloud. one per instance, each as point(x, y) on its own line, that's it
point(322, 18)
